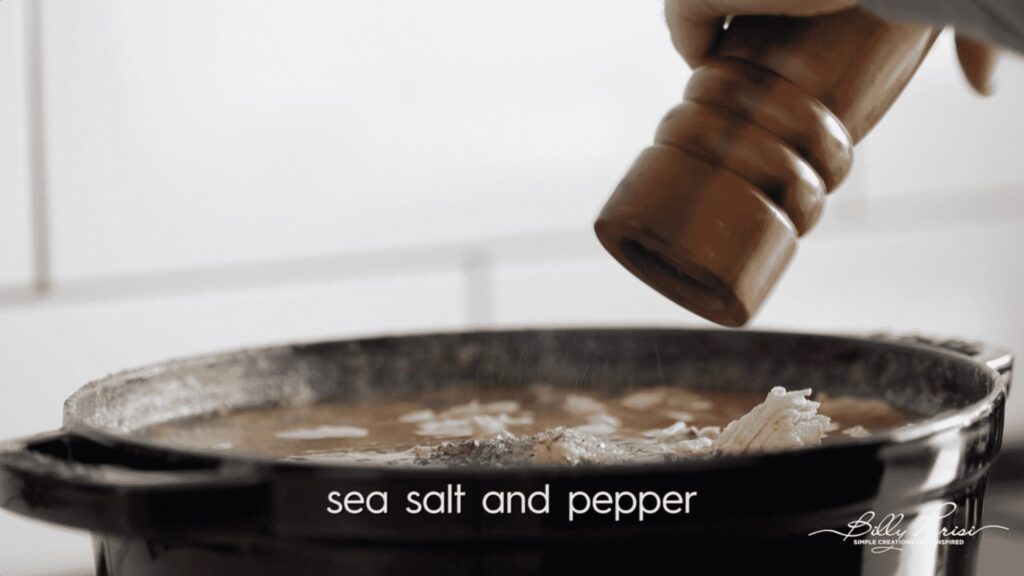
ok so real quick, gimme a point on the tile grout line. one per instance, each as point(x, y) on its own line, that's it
point(476, 260)
point(478, 297)
point(35, 135)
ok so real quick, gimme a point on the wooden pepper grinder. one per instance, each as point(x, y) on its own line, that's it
point(709, 216)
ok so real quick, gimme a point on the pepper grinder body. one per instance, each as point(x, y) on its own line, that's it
point(710, 214)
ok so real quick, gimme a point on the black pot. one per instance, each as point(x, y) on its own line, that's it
point(161, 509)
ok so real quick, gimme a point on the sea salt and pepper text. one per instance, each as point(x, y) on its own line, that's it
point(617, 506)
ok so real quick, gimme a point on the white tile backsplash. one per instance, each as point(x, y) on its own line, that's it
point(15, 229)
point(941, 136)
point(197, 133)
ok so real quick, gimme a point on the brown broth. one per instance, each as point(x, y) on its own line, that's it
point(266, 431)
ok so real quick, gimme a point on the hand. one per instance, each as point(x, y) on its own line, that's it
point(696, 24)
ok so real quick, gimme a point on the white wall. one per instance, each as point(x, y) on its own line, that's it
point(15, 230)
point(942, 137)
point(371, 124)
point(229, 173)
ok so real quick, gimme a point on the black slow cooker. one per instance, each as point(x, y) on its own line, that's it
point(156, 508)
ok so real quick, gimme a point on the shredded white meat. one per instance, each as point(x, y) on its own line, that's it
point(783, 420)
point(323, 432)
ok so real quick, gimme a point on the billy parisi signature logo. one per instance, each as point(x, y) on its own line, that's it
point(888, 532)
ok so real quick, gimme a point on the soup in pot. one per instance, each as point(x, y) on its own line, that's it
point(504, 427)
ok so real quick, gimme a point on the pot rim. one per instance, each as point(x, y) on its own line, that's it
point(995, 361)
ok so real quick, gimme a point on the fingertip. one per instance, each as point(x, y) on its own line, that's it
point(691, 32)
point(978, 62)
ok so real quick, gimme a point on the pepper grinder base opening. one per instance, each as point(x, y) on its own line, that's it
point(704, 238)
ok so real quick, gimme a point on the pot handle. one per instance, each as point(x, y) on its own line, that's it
point(999, 360)
point(69, 479)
